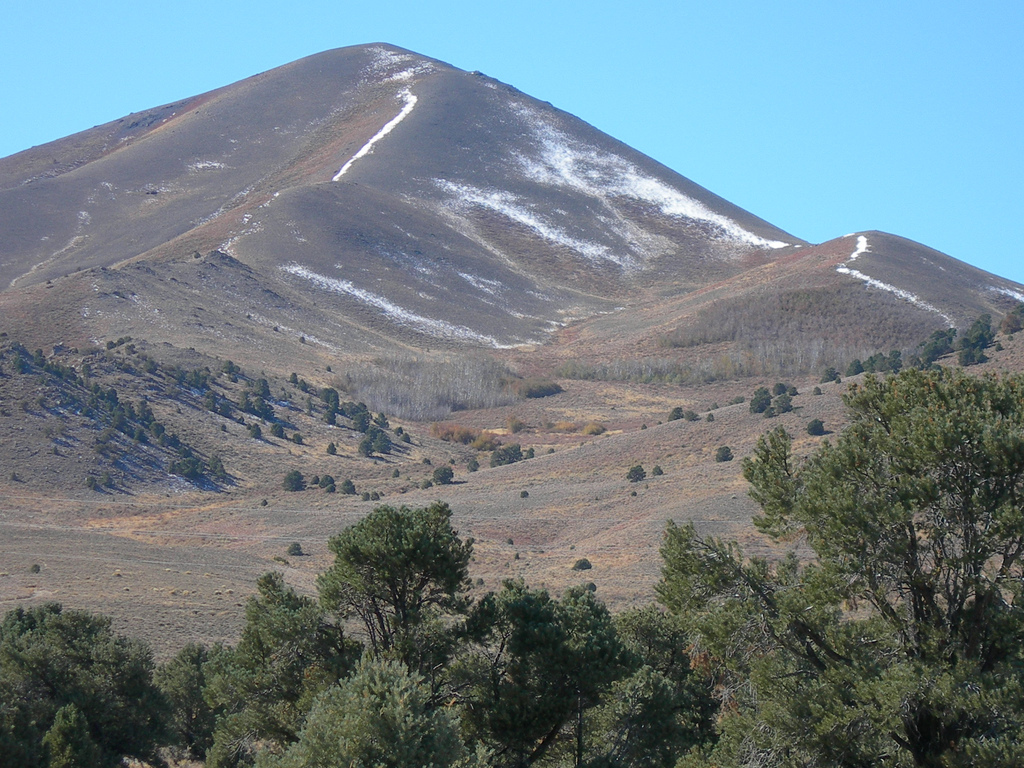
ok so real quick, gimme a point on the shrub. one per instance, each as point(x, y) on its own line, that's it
point(277, 430)
point(815, 427)
point(760, 400)
point(295, 549)
point(427, 483)
point(485, 441)
point(779, 388)
point(709, 417)
point(515, 425)
point(325, 480)
point(297, 438)
point(830, 374)
point(532, 388)
point(347, 487)
point(593, 428)
point(451, 433)
point(524, 494)
point(657, 471)
point(816, 391)
point(676, 413)
point(294, 481)
point(724, 453)
point(783, 403)
point(443, 475)
point(636, 473)
point(332, 449)
point(582, 565)
point(506, 454)
point(472, 465)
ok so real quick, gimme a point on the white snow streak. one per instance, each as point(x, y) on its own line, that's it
point(1009, 292)
point(511, 206)
point(410, 102)
point(400, 315)
point(862, 247)
point(596, 173)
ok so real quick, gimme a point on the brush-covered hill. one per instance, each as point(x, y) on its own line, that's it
point(200, 298)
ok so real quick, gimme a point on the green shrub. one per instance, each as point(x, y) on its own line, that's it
point(760, 400)
point(347, 487)
point(332, 449)
point(815, 427)
point(582, 565)
point(724, 453)
point(506, 454)
point(657, 471)
point(295, 549)
point(443, 475)
point(636, 473)
point(524, 494)
point(294, 481)
point(472, 465)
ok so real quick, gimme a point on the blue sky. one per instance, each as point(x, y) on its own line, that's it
point(823, 118)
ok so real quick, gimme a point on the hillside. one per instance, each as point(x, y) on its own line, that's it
point(448, 257)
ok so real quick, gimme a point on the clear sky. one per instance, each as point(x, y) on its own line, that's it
point(822, 117)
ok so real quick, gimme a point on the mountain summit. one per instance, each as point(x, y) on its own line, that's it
point(368, 197)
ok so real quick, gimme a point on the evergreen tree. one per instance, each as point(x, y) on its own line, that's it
point(901, 642)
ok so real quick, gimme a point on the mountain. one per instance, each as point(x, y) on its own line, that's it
point(181, 291)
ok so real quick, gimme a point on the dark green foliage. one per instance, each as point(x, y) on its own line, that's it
point(443, 475)
point(830, 374)
point(901, 642)
point(506, 454)
point(938, 344)
point(760, 400)
point(855, 367)
point(68, 743)
point(382, 716)
point(324, 480)
point(679, 413)
point(974, 341)
point(657, 471)
point(295, 549)
point(255, 432)
point(294, 481)
point(398, 571)
point(332, 449)
point(188, 466)
point(815, 427)
point(297, 438)
point(783, 403)
point(582, 565)
point(265, 686)
point(724, 453)
point(472, 465)
point(277, 430)
point(216, 468)
point(68, 680)
point(182, 681)
point(779, 388)
point(347, 487)
point(636, 473)
point(535, 667)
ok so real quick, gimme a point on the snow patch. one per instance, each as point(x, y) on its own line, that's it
point(437, 328)
point(511, 206)
point(410, 102)
point(862, 247)
point(564, 162)
point(206, 165)
point(482, 284)
point(1009, 292)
